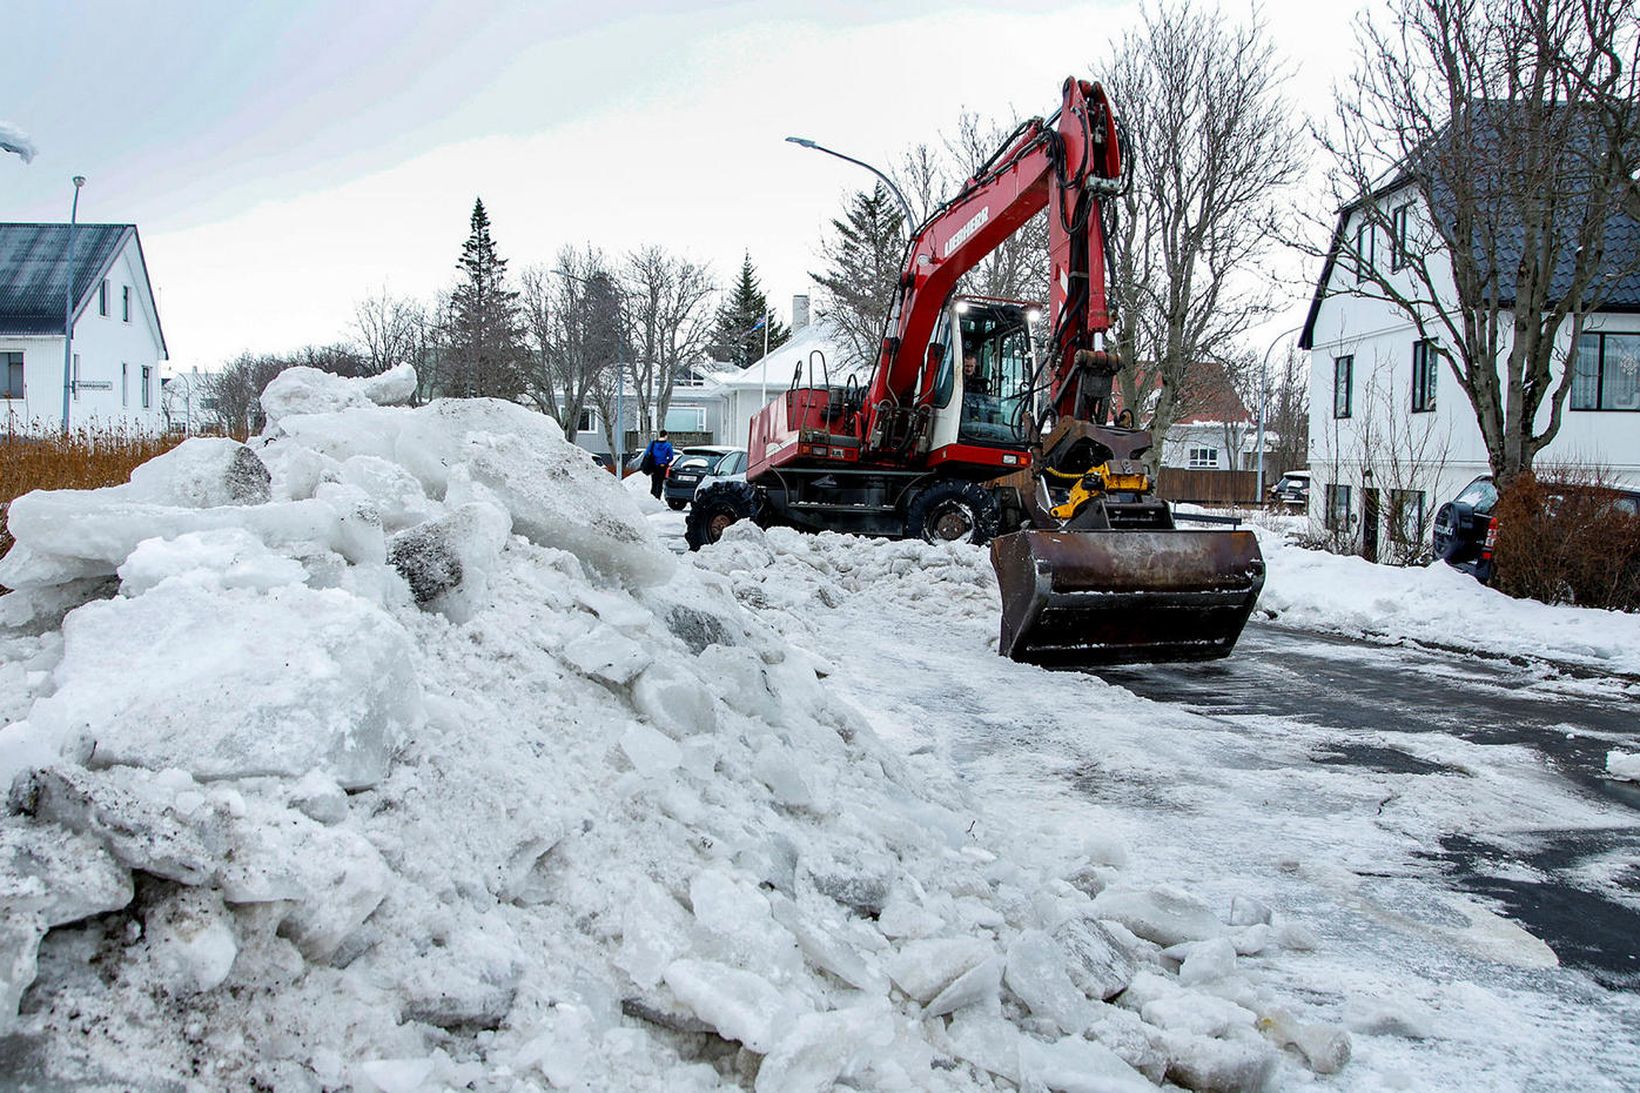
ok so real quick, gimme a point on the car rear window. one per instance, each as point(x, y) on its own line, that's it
point(1479, 494)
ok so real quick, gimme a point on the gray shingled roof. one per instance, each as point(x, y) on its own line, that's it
point(34, 271)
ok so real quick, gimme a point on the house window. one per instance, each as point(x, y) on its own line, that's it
point(1606, 372)
point(1425, 369)
point(1204, 458)
point(74, 379)
point(685, 419)
point(11, 375)
point(1398, 236)
point(1338, 507)
point(102, 298)
point(125, 384)
point(1406, 516)
point(125, 302)
point(1343, 380)
point(1364, 237)
point(587, 422)
point(147, 387)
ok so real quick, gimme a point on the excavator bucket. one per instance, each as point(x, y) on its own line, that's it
point(1079, 598)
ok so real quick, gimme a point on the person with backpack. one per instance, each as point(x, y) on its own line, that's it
point(656, 458)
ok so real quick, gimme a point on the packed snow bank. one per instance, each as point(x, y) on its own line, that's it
point(1439, 605)
point(392, 752)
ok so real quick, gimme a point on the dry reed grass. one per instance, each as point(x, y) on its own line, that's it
point(83, 459)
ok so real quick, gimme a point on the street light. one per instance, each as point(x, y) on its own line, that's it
point(620, 375)
point(68, 303)
point(910, 217)
point(1263, 382)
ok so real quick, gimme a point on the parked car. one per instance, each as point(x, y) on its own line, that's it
point(688, 466)
point(731, 468)
point(1466, 531)
point(1292, 490)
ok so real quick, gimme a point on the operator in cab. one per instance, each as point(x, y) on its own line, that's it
point(973, 380)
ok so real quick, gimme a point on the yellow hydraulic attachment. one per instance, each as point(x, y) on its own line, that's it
point(1094, 483)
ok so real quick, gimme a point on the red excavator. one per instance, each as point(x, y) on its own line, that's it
point(963, 433)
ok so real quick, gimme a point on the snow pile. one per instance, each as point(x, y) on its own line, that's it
point(1438, 605)
point(393, 752)
point(1623, 765)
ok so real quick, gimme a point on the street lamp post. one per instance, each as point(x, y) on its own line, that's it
point(1263, 383)
point(68, 303)
point(910, 217)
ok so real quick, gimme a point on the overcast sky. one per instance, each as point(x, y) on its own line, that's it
point(284, 160)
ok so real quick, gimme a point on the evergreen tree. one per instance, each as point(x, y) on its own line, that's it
point(737, 336)
point(863, 258)
point(483, 327)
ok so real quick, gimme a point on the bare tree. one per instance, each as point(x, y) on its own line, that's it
point(1213, 147)
point(538, 313)
point(669, 321)
point(584, 343)
point(388, 329)
point(1489, 145)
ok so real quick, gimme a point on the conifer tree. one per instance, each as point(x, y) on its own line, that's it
point(863, 258)
point(737, 335)
point(483, 328)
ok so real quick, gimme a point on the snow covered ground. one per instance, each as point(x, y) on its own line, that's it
point(398, 751)
point(394, 751)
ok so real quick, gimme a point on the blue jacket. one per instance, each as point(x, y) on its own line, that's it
point(660, 453)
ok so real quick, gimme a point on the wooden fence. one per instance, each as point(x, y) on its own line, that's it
point(1211, 487)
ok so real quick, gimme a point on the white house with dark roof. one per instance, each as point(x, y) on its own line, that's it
point(1392, 435)
point(118, 343)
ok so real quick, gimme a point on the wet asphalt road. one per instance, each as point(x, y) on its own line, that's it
point(1570, 721)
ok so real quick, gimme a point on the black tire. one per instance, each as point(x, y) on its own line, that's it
point(718, 506)
point(675, 505)
point(952, 511)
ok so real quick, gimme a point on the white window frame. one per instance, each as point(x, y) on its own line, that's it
point(147, 387)
point(699, 417)
point(102, 298)
point(6, 363)
point(125, 383)
point(125, 303)
point(1203, 459)
point(74, 378)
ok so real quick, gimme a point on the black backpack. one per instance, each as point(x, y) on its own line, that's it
point(648, 464)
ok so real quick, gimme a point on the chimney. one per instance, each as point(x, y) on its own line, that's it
point(800, 313)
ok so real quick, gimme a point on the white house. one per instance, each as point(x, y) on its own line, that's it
point(117, 341)
point(1392, 436)
point(813, 355)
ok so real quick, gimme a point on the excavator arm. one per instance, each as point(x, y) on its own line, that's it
point(1065, 164)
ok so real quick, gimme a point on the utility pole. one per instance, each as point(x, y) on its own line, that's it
point(68, 304)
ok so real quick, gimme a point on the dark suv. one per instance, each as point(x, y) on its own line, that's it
point(685, 473)
point(1466, 528)
point(1466, 531)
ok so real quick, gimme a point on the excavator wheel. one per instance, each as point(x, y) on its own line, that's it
point(718, 506)
point(952, 511)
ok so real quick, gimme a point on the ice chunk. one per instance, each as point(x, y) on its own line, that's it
point(20, 934)
point(1326, 1048)
point(304, 390)
point(1247, 911)
point(826, 950)
point(741, 1005)
point(1624, 765)
point(978, 986)
point(62, 875)
point(1075, 1065)
point(655, 931)
point(675, 703)
point(1230, 1066)
point(1095, 961)
point(278, 683)
point(777, 768)
point(451, 554)
point(1037, 976)
point(140, 832)
point(1296, 936)
point(1165, 915)
point(651, 753)
point(1197, 1013)
point(922, 969)
point(394, 491)
point(823, 1047)
point(740, 921)
point(607, 654)
point(987, 1041)
point(559, 499)
point(190, 939)
point(224, 558)
point(200, 473)
point(318, 797)
point(470, 979)
point(1208, 961)
point(394, 387)
point(395, 1075)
